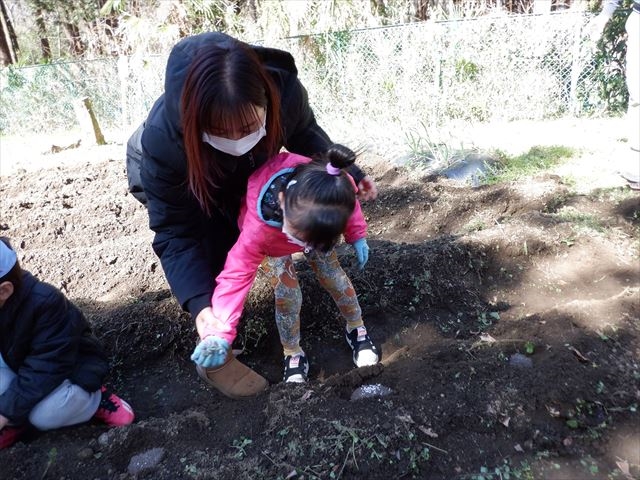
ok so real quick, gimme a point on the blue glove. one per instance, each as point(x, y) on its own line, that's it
point(211, 352)
point(362, 252)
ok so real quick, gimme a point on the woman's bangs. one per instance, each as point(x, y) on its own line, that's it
point(227, 117)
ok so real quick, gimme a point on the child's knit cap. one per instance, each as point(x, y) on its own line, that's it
point(8, 259)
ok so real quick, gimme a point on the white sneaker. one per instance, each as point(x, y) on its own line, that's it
point(364, 351)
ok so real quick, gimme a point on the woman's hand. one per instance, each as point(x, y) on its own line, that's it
point(4, 421)
point(204, 321)
point(367, 189)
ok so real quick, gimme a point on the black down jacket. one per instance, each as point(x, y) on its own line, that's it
point(45, 339)
point(191, 246)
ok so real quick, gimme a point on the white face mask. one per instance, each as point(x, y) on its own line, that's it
point(293, 239)
point(238, 147)
point(290, 237)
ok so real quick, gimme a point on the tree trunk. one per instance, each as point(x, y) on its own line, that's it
point(104, 28)
point(8, 40)
point(251, 7)
point(42, 30)
point(94, 122)
point(421, 8)
point(379, 8)
point(77, 45)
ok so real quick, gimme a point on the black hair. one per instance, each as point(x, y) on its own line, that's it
point(318, 203)
point(15, 274)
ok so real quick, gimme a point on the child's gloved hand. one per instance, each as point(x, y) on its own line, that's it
point(212, 351)
point(362, 252)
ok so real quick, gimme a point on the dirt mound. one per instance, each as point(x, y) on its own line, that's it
point(507, 317)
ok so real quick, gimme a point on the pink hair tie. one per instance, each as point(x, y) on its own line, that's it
point(331, 170)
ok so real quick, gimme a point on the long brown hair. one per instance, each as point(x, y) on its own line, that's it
point(223, 85)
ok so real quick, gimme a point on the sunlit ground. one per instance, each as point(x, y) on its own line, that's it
point(600, 145)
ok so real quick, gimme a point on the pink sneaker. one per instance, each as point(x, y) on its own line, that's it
point(10, 435)
point(113, 410)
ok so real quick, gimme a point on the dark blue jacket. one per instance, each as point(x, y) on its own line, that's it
point(191, 246)
point(45, 339)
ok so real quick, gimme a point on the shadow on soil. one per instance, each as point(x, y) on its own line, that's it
point(507, 317)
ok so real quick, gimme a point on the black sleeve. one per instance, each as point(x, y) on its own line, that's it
point(134, 160)
point(303, 135)
point(177, 220)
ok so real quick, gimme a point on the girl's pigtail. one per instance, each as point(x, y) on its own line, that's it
point(339, 157)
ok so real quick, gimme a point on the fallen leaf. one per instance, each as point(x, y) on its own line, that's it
point(572, 423)
point(428, 432)
point(623, 465)
point(485, 337)
point(405, 418)
point(553, 411)
point(580, 356)
point(518, 448)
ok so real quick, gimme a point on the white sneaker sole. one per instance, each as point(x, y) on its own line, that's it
point(297, 378)
point(366, 358)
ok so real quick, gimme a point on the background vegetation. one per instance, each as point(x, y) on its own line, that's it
point(395, 71)
point(45, 30)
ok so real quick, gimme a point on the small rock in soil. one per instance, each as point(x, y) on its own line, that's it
point(145, 460)
point(520, 360)
point(370, 391)
point(85, 453)
point(103, 439)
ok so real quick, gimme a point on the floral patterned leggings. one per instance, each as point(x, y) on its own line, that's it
point(283, 278)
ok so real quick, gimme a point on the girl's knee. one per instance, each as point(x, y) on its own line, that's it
point(288, 299)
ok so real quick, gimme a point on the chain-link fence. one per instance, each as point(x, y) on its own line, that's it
point(369, 86)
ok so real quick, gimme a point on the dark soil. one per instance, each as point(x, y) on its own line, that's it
point(507, 316)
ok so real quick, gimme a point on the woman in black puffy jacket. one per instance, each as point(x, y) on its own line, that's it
point(227, 108)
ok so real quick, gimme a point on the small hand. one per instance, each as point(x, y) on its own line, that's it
point(367, 189)
point(362, 252)
point(212, 351)
point(4, 421)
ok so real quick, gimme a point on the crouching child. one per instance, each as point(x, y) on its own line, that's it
point(51, 365)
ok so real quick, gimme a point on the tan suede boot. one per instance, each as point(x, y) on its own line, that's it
point(233, 379)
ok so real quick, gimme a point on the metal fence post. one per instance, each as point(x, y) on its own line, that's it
point(123, 76)
point(576, 69)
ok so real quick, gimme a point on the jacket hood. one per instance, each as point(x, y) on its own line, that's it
point(15, 301)
point(278, 62)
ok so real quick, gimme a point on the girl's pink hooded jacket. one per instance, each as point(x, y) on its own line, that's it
point(259, 238)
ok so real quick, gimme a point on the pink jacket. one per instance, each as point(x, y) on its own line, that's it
point(257, 240)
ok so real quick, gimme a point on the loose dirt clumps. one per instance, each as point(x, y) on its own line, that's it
point(507, 316)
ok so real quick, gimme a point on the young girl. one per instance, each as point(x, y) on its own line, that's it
point(292, 205)
point(51, 366)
